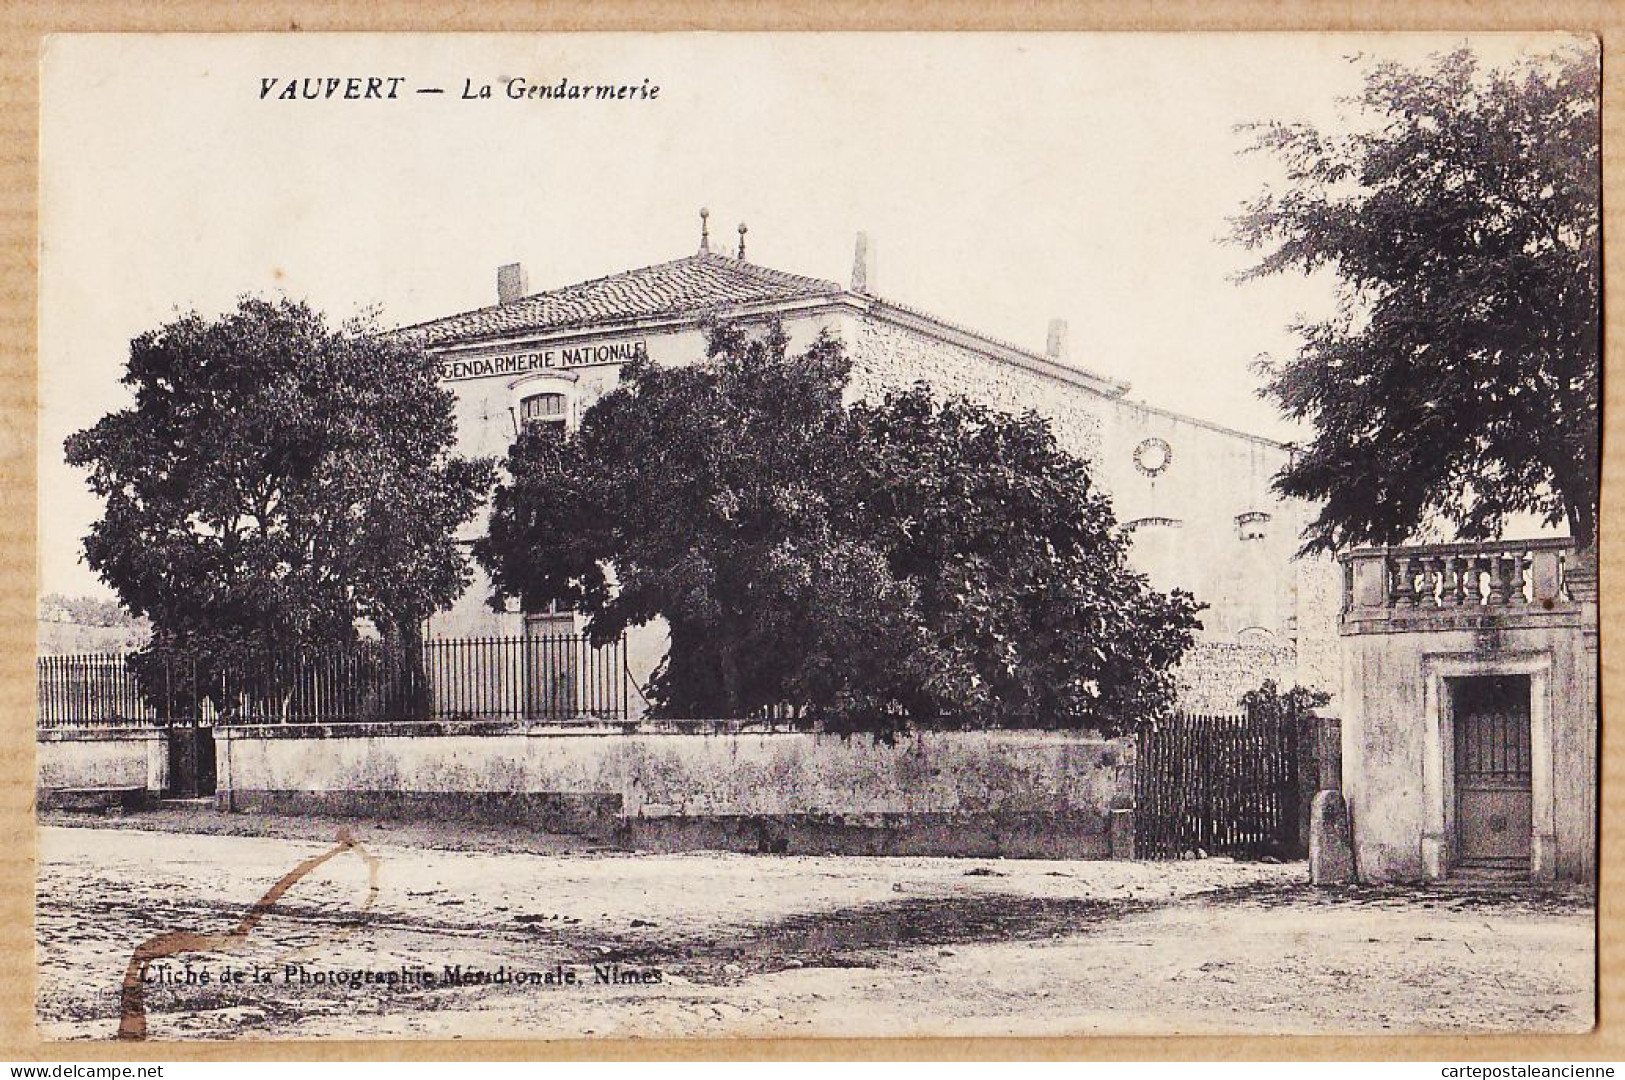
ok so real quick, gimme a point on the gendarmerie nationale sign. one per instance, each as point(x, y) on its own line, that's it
point(567, 356)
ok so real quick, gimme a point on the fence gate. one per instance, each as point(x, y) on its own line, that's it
point(191, 758)
point(1220, 784)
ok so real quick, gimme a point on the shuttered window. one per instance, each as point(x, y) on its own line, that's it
point(544, 409)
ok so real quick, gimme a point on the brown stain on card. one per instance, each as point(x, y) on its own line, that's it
point(132, 1025)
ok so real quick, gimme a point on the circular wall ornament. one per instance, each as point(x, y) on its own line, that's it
point(1153, 456)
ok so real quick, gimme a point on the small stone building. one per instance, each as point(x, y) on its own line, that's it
point(1469, 710)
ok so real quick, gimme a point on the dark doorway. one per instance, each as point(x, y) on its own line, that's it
point(191, 760)
point(1492, 750)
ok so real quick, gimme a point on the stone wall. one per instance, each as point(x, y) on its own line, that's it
point(1193, 534)
point(1214, 674)
point(888, 357)
point(1044, 792)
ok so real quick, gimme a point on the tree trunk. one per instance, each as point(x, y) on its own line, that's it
point(408, 681)
point(732, 683)
point(1582, 521)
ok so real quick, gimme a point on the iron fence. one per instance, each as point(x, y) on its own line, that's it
point(543, 678)
point(90, 690)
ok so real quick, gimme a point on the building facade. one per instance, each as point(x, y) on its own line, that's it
point(1194, 495)
point(1469, 710)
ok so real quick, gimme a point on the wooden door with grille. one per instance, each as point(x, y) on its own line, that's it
point(1493, 803)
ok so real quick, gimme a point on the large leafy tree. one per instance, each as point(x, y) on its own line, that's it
point(1458, 380)
point(277, 482)
point(906, 558)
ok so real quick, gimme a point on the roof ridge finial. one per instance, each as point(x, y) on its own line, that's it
point(742, 231)
point(705, 229)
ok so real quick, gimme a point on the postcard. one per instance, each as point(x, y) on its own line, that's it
point(763, 535)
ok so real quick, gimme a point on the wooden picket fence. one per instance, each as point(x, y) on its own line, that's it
point(1224, 785)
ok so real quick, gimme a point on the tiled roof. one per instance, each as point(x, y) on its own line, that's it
point(680, 287)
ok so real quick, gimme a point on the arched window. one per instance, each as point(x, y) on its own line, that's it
point(1253, 525)
point(1150, 522)
point(550, 408)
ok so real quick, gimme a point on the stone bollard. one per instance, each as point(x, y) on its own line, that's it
point(1331, 847)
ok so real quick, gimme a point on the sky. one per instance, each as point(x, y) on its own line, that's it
point(1005, 180)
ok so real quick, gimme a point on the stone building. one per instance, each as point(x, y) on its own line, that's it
point(1194, 494)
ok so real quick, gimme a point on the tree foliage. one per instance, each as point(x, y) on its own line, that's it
point(906, 558)
point(1270, 702)
point(88, 611)
point(277, 480)
point(1458, 380)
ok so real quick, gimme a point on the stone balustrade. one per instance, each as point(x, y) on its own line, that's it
point(1491, 578)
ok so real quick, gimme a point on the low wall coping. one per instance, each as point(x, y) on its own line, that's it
point(1463, 547)
point(98, 734)
point(595, 729)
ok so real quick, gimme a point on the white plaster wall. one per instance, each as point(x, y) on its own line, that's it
point(1385, 737)
point(486, 427)
point(722, 773)
point(135, 758)
point(1212, 476)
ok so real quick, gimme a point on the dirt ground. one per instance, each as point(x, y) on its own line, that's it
point(711, 944)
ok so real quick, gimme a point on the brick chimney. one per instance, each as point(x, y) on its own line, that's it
point(863, 265)
point(512, 283)
point(1055, 346)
